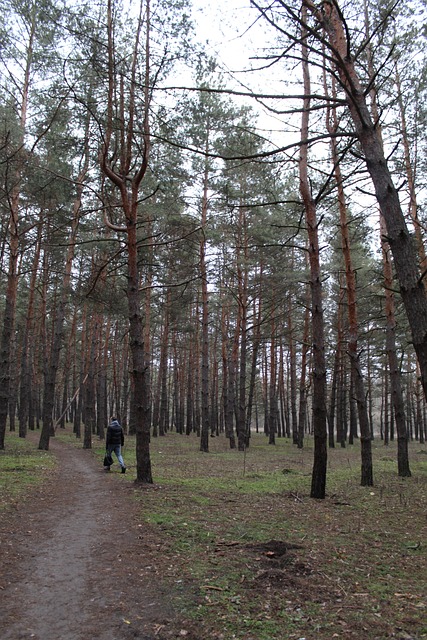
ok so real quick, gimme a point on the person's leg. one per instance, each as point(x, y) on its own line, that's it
point(118, 452)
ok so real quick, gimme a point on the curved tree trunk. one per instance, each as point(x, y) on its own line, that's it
point(412, 290)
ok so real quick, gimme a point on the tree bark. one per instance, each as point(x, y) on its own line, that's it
point(242, 287)
point(303, 385)
point(128, 185)
point(318, 480)
point(293, 374)
point(395, 383)
point(272, 398)
point(256, 341)
point(89, 387)
point(358, 385)
point(25, 379)
point(204, 436)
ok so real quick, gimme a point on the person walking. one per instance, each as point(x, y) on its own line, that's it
point(114, 443)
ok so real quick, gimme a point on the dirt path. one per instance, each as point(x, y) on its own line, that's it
point(75, 564)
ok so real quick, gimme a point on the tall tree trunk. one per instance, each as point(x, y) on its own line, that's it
point(7, 335)
point(413, 206)
point(256, 341)
point(61, 308)
point(386, 432)
point(128, 185)
point(227, 386)
point(102, 403)
point(395, 382)
point(89, 387)
point(242, 284)
point(293, 374)
point(59, 319)
point(139, 365)
point(189, 425)
point(163, 371)
point(412, 290)
point(334, 415)
point(333, 401)
point(358, 385)
point(147, 289)
point(281, 393)
point(232, 384)
point(214, 418)
point(25, 378)
point(9, 319)
point(204, 436)
point(272, 414)
point(303, 385)
point(318, 481)
point(81, 376)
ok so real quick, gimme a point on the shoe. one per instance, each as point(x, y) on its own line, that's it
point(123, 469)
point(106, 468)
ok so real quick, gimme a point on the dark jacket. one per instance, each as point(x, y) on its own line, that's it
point(115, 434)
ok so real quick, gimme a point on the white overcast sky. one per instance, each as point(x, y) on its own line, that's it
point(234, 35)
point(227, 29)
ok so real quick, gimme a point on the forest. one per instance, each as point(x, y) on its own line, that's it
point(208, 250)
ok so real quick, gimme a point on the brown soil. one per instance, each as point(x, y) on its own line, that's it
point(75, 564)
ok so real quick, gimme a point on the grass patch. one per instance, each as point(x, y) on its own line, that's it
point(22, 468)
point(356, 561)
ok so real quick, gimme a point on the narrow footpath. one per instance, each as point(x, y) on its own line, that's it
point(75, 563)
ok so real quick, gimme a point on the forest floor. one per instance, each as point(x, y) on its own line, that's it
point(208, 554)
point(74, 562)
